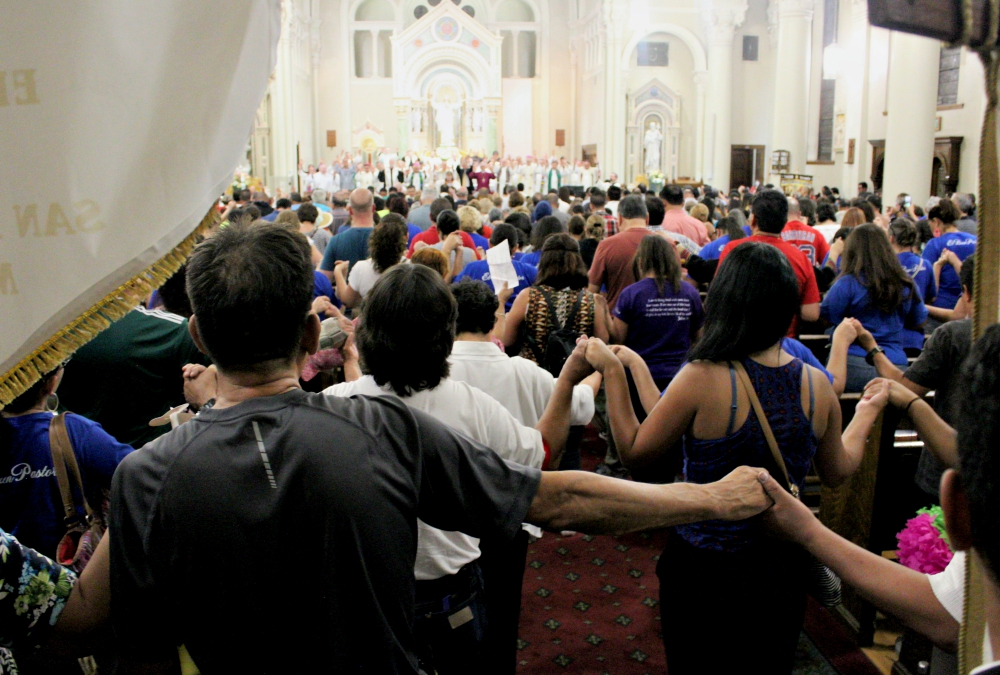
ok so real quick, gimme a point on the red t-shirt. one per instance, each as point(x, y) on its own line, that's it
point(431, 237)
point(804, 272)
point(612, 266)
point(809, 240)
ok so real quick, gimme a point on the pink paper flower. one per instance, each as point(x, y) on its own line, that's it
point(921, 547)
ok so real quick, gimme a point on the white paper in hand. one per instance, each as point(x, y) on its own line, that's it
point(501, 268)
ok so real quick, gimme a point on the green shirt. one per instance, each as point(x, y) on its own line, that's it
point(130, 374)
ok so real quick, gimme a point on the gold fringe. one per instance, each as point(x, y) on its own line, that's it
point(85, 327)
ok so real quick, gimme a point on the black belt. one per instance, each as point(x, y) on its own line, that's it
point(440, 595)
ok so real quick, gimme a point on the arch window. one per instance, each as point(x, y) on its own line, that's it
point(519, 29)
point(373, 24)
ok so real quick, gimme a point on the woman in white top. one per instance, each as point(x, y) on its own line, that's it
point(386, 247)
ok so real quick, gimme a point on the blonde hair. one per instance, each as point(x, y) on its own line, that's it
point(521, 209)
point(469, 219)
point(288, 217)
point(595, 227)
point(433, 258)
point(700, 211)
point(484, 205)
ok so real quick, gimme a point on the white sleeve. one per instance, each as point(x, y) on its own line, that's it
point(343, 389)
point(949, 586)
point(582, 410)
point(354, 276)
point(507, 437)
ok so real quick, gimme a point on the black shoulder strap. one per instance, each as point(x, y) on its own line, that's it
point(553, 317)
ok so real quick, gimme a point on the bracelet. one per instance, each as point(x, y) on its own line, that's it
point(906, 410)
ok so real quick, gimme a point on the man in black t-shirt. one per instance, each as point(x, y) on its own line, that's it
point(276, 532)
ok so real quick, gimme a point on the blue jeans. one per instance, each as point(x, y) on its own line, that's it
point(449, 623)
point(859, 373)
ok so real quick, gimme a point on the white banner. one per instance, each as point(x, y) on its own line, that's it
point(120, 123)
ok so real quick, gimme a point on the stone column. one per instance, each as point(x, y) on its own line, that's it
point(725, 18)
point(855, 79)
point(909, 136)
point(402, 125)
point(791, 100)
point(492, 114)
point(700, 83)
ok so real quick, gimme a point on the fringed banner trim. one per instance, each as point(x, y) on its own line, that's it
point(112, 307)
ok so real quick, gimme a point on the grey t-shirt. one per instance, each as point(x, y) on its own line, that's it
point(294, 517)
point(421, 217)
point(939, 367)
point(967, 225)
point(320, 238)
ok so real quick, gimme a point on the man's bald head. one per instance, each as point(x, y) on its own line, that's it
point(361, 201)
point(793, 208)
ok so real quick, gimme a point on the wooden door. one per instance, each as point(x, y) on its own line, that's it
point(746, 165)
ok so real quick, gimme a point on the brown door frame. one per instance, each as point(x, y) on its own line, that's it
point(758, 161)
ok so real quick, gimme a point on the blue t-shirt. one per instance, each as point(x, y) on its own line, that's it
point(322, 286)
point(350, 244)
point(849, 297)
point(414, 230)
point(800, 351)
point(480, 271)
point(532, 258)
point(712, 249)
point(660, 325)
point(481, 241)
point(923, 277)
point(962, 244)
point(30, 506)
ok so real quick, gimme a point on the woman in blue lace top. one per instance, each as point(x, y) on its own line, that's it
point(726, 584)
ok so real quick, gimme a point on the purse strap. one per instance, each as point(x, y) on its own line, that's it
point(65, 467)
point(765, 426)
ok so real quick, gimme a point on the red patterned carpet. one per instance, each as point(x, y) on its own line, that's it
point(591, 606)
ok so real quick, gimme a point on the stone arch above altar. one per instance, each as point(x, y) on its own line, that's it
point(447, 83)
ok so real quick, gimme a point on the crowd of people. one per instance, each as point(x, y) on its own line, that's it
point(330, 437)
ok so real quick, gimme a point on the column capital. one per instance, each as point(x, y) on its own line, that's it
point(724, 17)
point(792, 9)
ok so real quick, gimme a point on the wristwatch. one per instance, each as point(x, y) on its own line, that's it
point(870, 356)
point(207, 405)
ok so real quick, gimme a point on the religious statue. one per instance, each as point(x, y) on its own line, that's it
point(444, 117)
point(651, 142)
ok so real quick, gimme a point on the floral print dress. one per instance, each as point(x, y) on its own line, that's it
point(33, 592)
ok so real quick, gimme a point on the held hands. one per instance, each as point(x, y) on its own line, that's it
point(451, 242)
point(576, 367)
point(789, 518)
point(340, 268)
point(600, 356)
point(846, 332)
point(200, 384)
point(628, 357)
point(322, 305)
point(740, 494)
point(865, 337)
point(898, 395)
point(876, 396)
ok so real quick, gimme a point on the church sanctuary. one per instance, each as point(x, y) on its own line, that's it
point(500, 337)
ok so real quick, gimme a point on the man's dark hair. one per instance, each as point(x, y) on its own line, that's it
point(576, 209)
point(633, 207)
point(978, 426)
point(308, 213)
point(477, 306)
point(504, 232)
point(750, 305)
point(614, 193)
point(654, 205)
point(173, 292)
point(447, 222)
point(283, 203)
point(251, 287)
point(252, 212)
point(825, 211)
point(672, 194)
point(296, 198)
point(565, 194)
point(875, 201)
point(545, 228)
point(968, 275)
point(863, 185)
point(438, 205)
point(407, 329)
point(576, 226)
point(597, 200)
point(245, 195)
point(770, 211)
point(520, 187)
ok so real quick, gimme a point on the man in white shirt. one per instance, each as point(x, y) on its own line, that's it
point(404, 339)
point(524, 389)
point(324, 179)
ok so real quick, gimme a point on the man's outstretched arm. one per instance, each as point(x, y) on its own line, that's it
point(588, 502)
